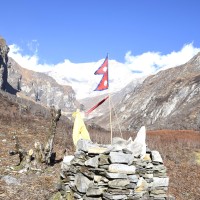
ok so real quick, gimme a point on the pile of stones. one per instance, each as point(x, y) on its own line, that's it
point(109, 172)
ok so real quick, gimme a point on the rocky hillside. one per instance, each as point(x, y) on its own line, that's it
point(169, 99)
point(33, 85)
point(4, 49)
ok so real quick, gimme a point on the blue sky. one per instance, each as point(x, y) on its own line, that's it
point(64, 36)
point(86, 30)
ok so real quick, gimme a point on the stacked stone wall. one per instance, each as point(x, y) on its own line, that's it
point(113, 172)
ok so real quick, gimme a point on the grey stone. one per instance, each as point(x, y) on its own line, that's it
point(138, 146)
point(98, 170)
point(102, 184)
point(67, 159)
point(77, 195)
point(122, 168)
point(156, 157)
point(97, 149)
point(94, 174)
point(116, 175)
point(114, 197)
point(133, 178)
point(119, 143)
point(103, 159)
point(81, 182)
point(118, 183)
point(159, 182)
point(80, 155)
point(117, 191)
point(104, 166)
point(142, 185)
point(95, 191)
point(92, 162)
point(119, 157)
point(86, 172)
point(156, 192)
point(84, 145)
point(10, 180)
point(78, 162)
point(131, 186)
point(170, 197)
point(97, 178)
point(91, 198)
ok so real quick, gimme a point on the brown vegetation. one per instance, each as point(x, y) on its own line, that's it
point(179, 150)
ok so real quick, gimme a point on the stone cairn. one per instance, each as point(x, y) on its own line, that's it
point(124, 170)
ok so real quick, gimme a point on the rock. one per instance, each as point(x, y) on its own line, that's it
point(116, 175)
point(156, 157)
point(10, 180)
point(97, 178)
point(119, 157)
point(103, 160)
point(138, 146)
point(84, 145)
point(170, 197)
point(57, 196)
point(92, 162)
point(142, 185)
point(81, 183)
point(160, 182)
point(118, 183)
point(86, 172)
point(97, 150)
point(92, 198)
point(66, 162)
point(102, 173)
point(122, 168)
point(114, 197)
point(95, 191)
point(4, 49)
point(118, 143)
point(165, 100)
point(67, 159)
point(133, 178)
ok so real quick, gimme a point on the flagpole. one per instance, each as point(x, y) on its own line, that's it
point(104, 84)
point(110, 112)
point(110, 118)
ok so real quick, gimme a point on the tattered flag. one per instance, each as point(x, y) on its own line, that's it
point(103, 69)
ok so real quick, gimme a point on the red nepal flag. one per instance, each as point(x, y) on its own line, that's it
point(103, 69)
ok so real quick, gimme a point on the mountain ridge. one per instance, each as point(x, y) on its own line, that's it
point(32, 85)
point(166, 100)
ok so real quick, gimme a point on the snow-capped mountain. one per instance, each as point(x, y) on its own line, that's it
point(86, 82)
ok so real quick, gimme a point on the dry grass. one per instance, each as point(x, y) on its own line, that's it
point(180, 151)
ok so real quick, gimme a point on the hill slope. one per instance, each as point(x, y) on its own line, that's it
point(169, 99)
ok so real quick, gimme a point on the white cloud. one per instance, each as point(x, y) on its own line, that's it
point(33, 46)
point(81, 75)
point(27, 61)
point(150, 62)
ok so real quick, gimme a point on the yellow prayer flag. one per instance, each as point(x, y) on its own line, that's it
point(79, 129)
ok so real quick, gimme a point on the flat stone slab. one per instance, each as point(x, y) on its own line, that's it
point(160, 182)
point(116, 175)
point(67, 159)
point(122, 168)
point(118, 183)
point(119, 157)
point(92, 162)
point(82, 183)
point(95, 191)
point(97, 150)
point(156, 157)
point(114, 197)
